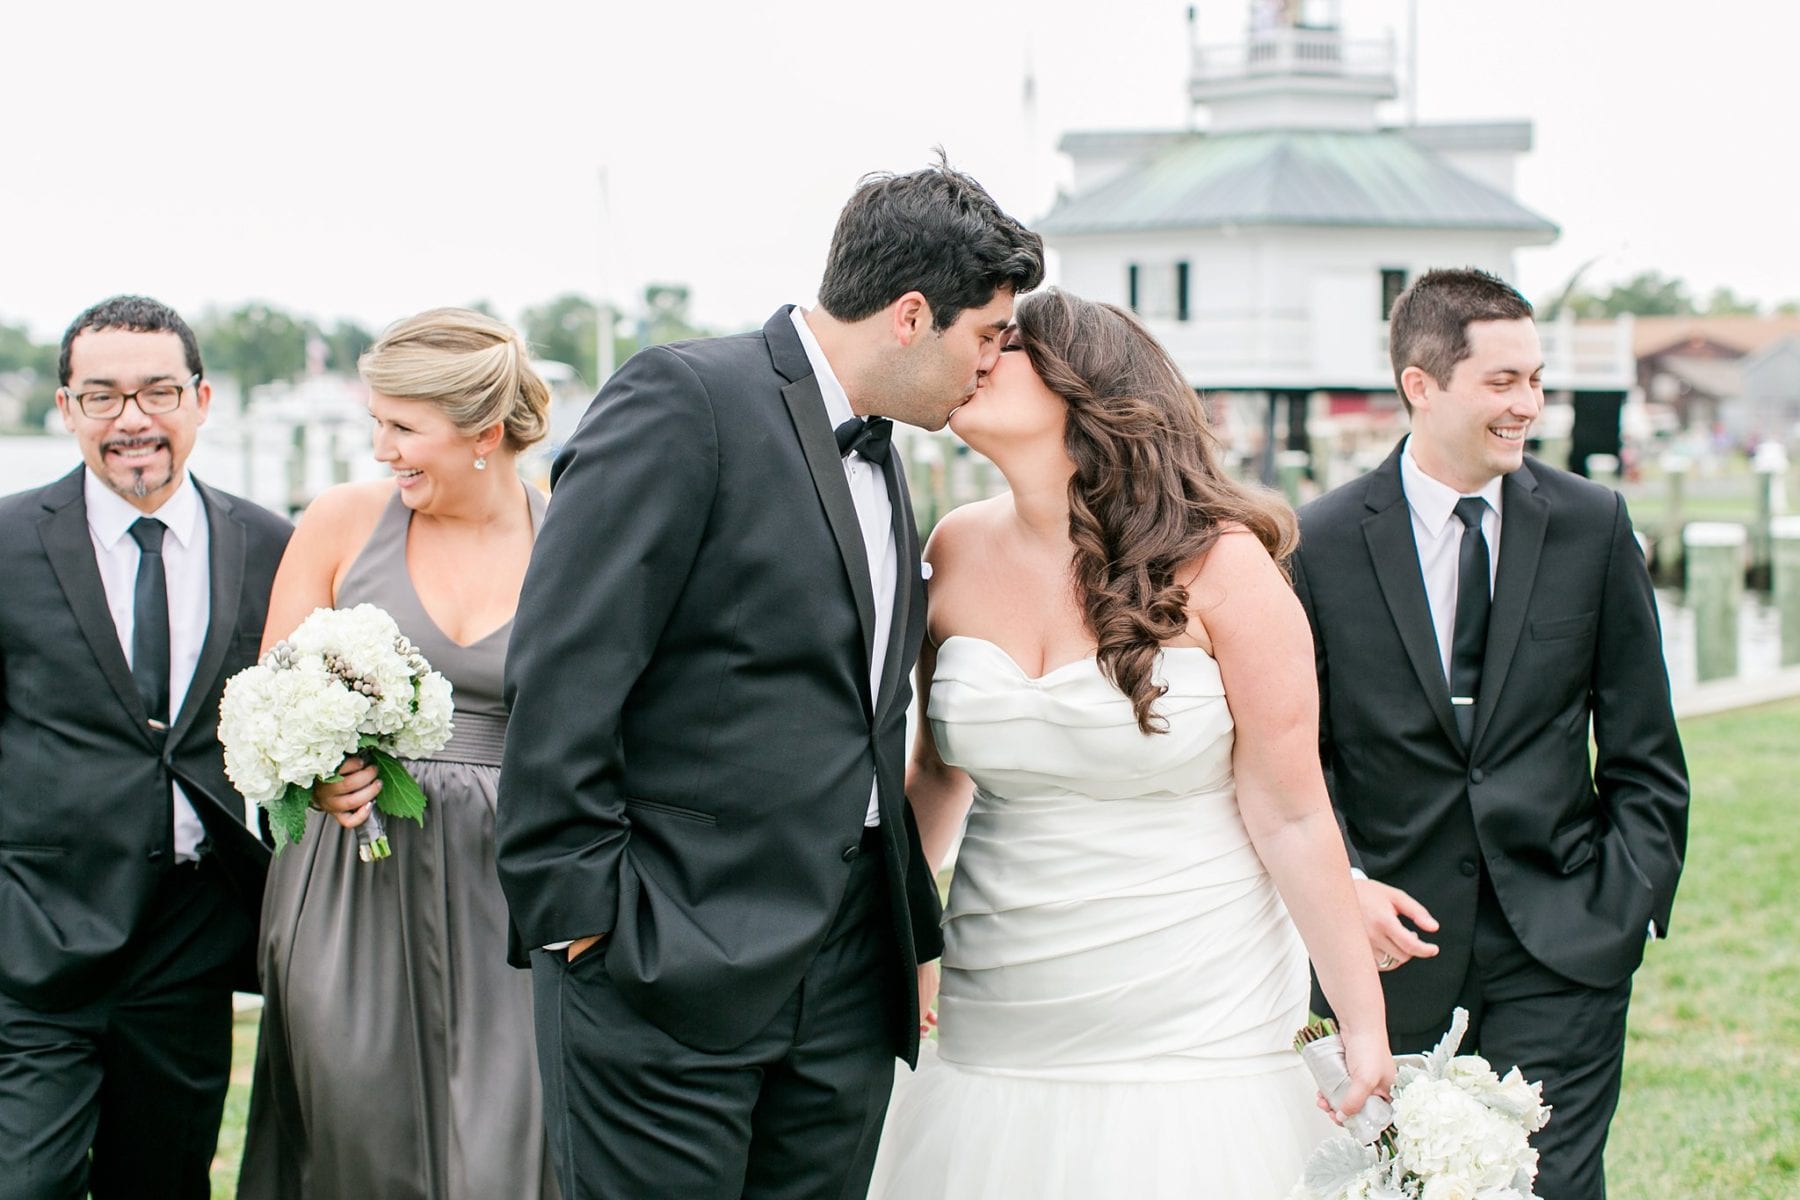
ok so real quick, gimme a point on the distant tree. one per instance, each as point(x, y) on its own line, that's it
point(1726, 303)
point(256, 343)
point(666, 316)
point(483, 307)
point(1788, 308)
point(345, 344)
point(36, 361)
point(1647, 294)
point(563, 330)
point(18, 352)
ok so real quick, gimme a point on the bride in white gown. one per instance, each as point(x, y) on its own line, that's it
point(1122, 701)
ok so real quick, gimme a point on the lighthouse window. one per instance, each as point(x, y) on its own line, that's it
point(1158, 292)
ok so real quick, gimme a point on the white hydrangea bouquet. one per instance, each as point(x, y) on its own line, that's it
point(1459, 1132)
point(346, 682)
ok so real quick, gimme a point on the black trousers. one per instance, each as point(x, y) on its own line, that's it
point(793, 1114)
point(1570, 1036)
point(122, 1096)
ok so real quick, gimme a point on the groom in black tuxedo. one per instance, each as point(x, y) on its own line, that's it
point(701, 819)
point(129, 884)
point(1475, 613)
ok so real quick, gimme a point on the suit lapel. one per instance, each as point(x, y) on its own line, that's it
point(907, 581)
point(807, 409)
point(225, 588)
point(1395, 556)
point(70, 549)
point(1524, 516)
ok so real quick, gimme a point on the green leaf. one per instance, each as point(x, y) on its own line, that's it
point(287, 815)
point(400, 794)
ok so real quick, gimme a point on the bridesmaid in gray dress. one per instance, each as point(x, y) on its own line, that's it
point(396, 1056)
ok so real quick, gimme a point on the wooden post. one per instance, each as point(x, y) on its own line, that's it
point(1715, 591)
point(1769, 461)
point(1784, 540)
point(1604, 468)
point(1675, 471)
point(1290, 470)
point(296, 465)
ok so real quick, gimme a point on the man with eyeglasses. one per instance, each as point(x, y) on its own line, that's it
point(129, 883)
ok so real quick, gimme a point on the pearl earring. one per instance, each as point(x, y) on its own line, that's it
point(481, 463)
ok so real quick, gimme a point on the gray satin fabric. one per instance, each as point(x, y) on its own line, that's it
point(397, 1057)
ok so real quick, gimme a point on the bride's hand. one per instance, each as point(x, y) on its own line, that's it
point(1371, 1066)
point(928, 992)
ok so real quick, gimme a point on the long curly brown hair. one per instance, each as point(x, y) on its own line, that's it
point(1148, 495)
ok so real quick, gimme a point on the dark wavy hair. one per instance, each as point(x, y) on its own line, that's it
point(1148, 495)
point(936, 232)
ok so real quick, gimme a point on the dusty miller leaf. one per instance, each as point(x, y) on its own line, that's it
point(1336, 1163)
point(1437, 1063)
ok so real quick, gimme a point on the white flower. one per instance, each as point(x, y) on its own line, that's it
point(1441, 1130)
point(1447, 1187)
point(429, 729)
point(1522, 1101)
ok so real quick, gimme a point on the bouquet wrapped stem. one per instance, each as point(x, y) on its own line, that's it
point(1322, 1050)
point(371, 838)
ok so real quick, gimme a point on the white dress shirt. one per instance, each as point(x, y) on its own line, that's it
point(868, 490)
point(1438, 534)
point(188, 572)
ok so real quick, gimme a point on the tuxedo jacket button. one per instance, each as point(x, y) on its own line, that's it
point(1475, 775)
point(849, 853)
point(1467, 866)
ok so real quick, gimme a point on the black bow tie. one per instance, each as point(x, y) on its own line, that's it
point(868, 438)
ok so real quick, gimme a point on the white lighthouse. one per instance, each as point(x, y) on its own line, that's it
point(1265, 244)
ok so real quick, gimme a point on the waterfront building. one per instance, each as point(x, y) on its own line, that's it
point(1265, 243)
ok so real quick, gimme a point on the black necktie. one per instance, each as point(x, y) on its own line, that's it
point(150, 622)
point(868, 438)
point(1468, 644)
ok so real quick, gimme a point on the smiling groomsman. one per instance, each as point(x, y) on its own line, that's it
point(129, 884)
point(1475, 614)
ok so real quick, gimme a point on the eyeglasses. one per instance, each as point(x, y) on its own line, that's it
point(151, 399)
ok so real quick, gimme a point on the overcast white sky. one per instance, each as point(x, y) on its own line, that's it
point(372, 159)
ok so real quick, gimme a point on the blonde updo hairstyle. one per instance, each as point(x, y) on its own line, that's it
point(475, 369)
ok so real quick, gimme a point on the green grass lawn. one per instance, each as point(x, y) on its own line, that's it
point(1711, 1108)
point(237, 1106)
point(1711, 1104)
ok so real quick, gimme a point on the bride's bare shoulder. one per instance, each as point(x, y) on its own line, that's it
point(963, 529)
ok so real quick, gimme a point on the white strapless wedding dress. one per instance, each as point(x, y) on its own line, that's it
point(1121, 982)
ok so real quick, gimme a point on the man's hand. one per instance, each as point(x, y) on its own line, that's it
point(1392, 941)
point(928, 991)
point(581, 946)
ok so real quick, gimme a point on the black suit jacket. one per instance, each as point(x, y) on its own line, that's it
point(692, 735)
point(1582, 856)
point(85, 824)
